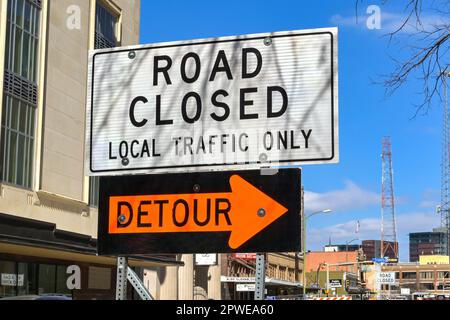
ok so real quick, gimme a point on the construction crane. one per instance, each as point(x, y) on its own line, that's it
point(389, 242)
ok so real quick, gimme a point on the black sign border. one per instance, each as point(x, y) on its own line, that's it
point(282, 235)
point(224, 164)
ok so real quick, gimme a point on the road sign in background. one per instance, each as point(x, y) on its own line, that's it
point(206, 259)
point(405, 291)
point(245, 287)
point(214, 104)
point(386, 278)
point(244, 256)
point(380, 260)
point(335, 283)
point(241, 211)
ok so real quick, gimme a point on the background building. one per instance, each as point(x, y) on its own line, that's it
point(427, 243)
point(48, 207)
point(428, 277)
point(343, 270)
point(372, 249)
point(341, 247)
point(238, 275)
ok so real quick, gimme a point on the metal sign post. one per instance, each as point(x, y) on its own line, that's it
point(260, 278)
point(121, 284)
point(124, 273)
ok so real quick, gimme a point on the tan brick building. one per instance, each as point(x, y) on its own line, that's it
point(238, 275)
point(48, 214)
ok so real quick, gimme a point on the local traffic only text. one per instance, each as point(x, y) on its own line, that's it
point(244, 105)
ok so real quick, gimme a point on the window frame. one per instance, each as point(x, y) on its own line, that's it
point(116, 12)
point(17, 95)
point(94, 181)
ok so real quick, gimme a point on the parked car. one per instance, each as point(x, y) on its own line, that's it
point(38, 297)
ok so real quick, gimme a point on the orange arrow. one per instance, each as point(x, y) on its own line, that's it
point(245, 211)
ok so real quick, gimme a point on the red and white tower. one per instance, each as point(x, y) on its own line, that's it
point(389, 245)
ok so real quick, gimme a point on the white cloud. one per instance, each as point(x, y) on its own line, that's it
point(390, 22)
point(430, 199)
point(370, 229)
point(350, 198)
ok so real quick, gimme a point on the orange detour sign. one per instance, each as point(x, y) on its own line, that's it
point(207, 212)
point(152, 213)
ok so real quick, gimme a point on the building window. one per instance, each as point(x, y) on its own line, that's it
point(27, 275)
point(23, 278)
point(94, 183)
point(426, 275)
point(8, 279)
point(106, 26)
point(47, 278)
point(61, 280)
point(20, 92)
point(409, 275)
point(426, 286)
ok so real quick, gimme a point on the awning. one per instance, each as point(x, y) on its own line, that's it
point(21, 236)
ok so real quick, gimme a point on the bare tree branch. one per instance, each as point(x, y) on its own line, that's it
point(429, 45)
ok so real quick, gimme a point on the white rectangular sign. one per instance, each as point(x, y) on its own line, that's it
point(209, 259)
point(386, 278)
point(245, 287)
point(405, 291)
point(10, 280)
point(335, 283)
point(214, 104)
point(237, 279)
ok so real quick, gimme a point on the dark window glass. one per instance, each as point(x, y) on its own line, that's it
point(94, 183)
point(105, 28)
point(27, 275)
point(19, 12)
point(61, 280)
point(409, 275)
point(8, 278)
point(47, 278)
point(27, 17)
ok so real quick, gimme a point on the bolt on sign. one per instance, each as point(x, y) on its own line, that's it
point(240, 211)
point(214, 104)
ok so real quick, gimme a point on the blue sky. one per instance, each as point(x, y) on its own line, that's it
point(352, 187)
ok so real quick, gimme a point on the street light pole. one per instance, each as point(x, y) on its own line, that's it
point(346, 249)
point(328, 279)
point(303, 235)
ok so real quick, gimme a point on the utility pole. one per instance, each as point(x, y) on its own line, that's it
point(445, 166)
point(303, 235)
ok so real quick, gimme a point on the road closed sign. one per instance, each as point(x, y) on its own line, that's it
point(386, 278)
point(239, 211)
point(214, 104)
